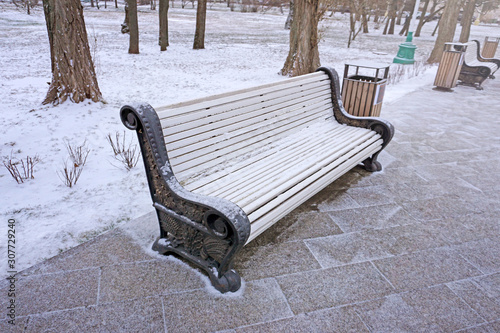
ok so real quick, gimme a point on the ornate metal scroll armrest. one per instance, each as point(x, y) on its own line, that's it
point(207, 231)
point(382, 127)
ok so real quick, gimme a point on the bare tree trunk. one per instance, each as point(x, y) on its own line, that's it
point(467, 21)
point(133, 27)
point(163, 12)
point(73, 73)
point(303, 56)
point(406, 26)
point(447, 27)
point(201, 16)
point(125, 29)
point(436, 28)
point(116, 3)
point(422, 18)
point(91, 3)
point(389, 25)
point(364, 22)
point(289, 18)
point(400, 13)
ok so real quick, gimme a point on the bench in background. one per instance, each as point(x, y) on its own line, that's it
point(476, 69)
point(223, 169)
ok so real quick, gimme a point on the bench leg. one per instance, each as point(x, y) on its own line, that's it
point(371, 164)
point(212, 249)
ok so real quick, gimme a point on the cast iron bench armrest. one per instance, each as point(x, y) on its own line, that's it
point(381, 126)
point(222, 226)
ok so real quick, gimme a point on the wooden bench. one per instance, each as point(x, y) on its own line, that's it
point(475, 68)
point(223, 169)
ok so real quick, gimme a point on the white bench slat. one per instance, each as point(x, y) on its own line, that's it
point(242, 173)
point(253, 133)
point(251, 201)
point(286, 160)
point(179, 123)
point(266, 216)
point(208, 102)
point(241, 147)
point(210, 134)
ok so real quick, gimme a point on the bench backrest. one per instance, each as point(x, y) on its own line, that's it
point(471, 52)
point(204, 133)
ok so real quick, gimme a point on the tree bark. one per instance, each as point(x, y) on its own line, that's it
point(406, 26)
point(422, 18)
point(400, 13)
point(447, 27)
point(73, 74)
point(467, 16)
point(303, 56)
point(133, 26)
point(289, 18)
point(163, 12)
point(389, 25)
point(201, 16)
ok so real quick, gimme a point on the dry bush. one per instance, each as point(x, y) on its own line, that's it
point(78, 156)
point(26, 170)
point(127, 154)
point(398, 73)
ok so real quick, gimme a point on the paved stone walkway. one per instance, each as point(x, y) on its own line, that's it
point(415, 248)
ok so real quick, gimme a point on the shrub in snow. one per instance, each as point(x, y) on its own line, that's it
point(398, 73)
point(127, 154)
point(78, 156)
point(22, 170)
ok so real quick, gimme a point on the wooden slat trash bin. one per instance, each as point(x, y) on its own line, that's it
point(362, 95)
point(450, 66)
point(490, 47)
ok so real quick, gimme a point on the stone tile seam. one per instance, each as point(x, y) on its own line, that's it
point(445, 247)
point(382, 274)
point(259, 323)
point(312, 270)
point(163, 315)
point(308, 313)
point(284, 297)
point(467, 261)
point(99, 286)
point(468, 183)
point(24, 275)
point(476, 326)
point(466, 303)
point(361, 318)
point(331, 218)
point(85, 307)
point(312, 253)
point(449, 246)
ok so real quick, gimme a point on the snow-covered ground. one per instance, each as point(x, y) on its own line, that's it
point(242, 50)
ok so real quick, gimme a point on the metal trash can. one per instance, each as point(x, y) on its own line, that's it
point(362, 95)
point(490, 47)
point(450, 66)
